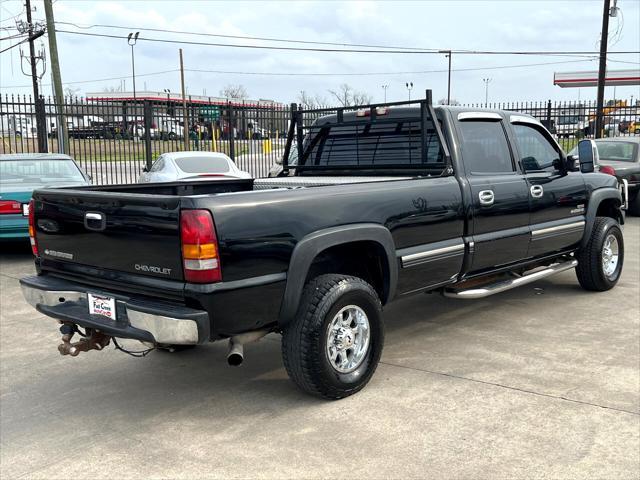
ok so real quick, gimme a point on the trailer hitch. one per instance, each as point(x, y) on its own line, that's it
point(91, 340)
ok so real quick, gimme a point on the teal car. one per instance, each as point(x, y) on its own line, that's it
point(20, 175)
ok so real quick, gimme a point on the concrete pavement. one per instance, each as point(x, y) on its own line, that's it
point(538, 382)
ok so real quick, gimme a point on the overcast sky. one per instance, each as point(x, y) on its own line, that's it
point(558, 25)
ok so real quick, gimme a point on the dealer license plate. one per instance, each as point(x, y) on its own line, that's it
point(100, 305)
point(25, 209)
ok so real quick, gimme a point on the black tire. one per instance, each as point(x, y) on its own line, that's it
point(590, 270)
point(304, 342)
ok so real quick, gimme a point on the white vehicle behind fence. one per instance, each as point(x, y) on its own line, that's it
point(188, 166)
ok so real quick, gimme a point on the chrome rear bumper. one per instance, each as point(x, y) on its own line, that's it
point(141, 319)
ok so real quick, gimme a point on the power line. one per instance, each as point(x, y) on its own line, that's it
point(14, 45)
point(241, 37)
point(351, 50)
point(302, 74)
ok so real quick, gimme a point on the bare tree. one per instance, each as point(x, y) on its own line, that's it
point(71, 92)
point(237, 92)
point(308, 102)
point(443, 101)
point(347, 96)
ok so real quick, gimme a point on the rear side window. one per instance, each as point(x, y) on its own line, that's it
point(484, 147)
point(537, 153)
point(203, 164)
point(374, 144)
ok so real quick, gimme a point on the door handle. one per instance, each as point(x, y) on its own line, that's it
point(486, 197)
point(536, 191)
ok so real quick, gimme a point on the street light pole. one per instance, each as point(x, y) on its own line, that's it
point(409, 86)
point(448, 55)
point(486, 90)
point(131, 40)
point(384, 87)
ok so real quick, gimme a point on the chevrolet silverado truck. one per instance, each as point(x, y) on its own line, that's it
point(384, 201)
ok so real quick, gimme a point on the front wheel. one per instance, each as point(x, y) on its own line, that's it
point(600, 261)
point(333, 346)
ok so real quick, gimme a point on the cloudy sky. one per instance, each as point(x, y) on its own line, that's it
point(94, 64)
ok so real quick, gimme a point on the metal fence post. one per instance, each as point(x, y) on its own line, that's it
point(41, 126)
point(148, 115)
point(549, 114)
point(232, 133)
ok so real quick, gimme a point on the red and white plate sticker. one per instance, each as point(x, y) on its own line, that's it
point(99, 305)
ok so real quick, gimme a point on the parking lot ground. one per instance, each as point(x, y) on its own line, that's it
point(538, 382)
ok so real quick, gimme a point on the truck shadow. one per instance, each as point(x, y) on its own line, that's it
point(198, 382)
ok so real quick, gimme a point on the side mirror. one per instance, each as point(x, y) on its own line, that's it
point(588, 155)
point(145, 169)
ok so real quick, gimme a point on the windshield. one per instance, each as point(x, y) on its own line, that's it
point(617, 151)
point(203, 164)
point(40, 172)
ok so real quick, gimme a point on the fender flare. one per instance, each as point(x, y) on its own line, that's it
point(596, 198)
point(307, 249)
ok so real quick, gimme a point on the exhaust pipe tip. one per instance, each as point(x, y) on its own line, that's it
point(235, 357)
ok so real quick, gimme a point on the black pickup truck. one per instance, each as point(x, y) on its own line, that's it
point(384, 201)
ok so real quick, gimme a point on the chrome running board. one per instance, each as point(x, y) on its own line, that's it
point(503, 285)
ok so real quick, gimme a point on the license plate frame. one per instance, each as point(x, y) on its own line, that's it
point(102, 305)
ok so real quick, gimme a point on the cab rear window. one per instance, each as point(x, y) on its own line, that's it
point(388, 144)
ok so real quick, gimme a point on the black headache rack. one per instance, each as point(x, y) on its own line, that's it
point(368, 139)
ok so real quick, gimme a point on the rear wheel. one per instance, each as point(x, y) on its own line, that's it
point(600, 261)
point(332, 348)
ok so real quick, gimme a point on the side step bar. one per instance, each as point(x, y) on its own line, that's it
point(504, 285)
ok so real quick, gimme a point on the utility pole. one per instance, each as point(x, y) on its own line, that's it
point(602, 70)
point(32, 51)
point(184, 106)
point(486, 90)
point(63, 142)
point(39, 110)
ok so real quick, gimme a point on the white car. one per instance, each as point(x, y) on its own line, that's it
point(187, 166)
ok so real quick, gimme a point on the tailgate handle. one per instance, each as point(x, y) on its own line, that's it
point(95, 221)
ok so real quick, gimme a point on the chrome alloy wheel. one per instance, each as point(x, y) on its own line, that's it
point(610, 255)
point(348, 339)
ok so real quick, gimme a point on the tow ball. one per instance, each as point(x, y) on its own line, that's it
point(92, 340)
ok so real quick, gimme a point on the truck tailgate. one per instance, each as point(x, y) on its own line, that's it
point(127, 232)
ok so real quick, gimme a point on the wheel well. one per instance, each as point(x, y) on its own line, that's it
point(363, 259)
point(609, 208)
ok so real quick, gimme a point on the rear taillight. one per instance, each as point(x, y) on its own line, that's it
point(8, 207)
point(32, 228)
point(200, 256)
point(608, 170)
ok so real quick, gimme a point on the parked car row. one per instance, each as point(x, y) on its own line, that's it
point(21, 174)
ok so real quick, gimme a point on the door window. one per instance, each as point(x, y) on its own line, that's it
point(537, 153)
point(484, 147)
